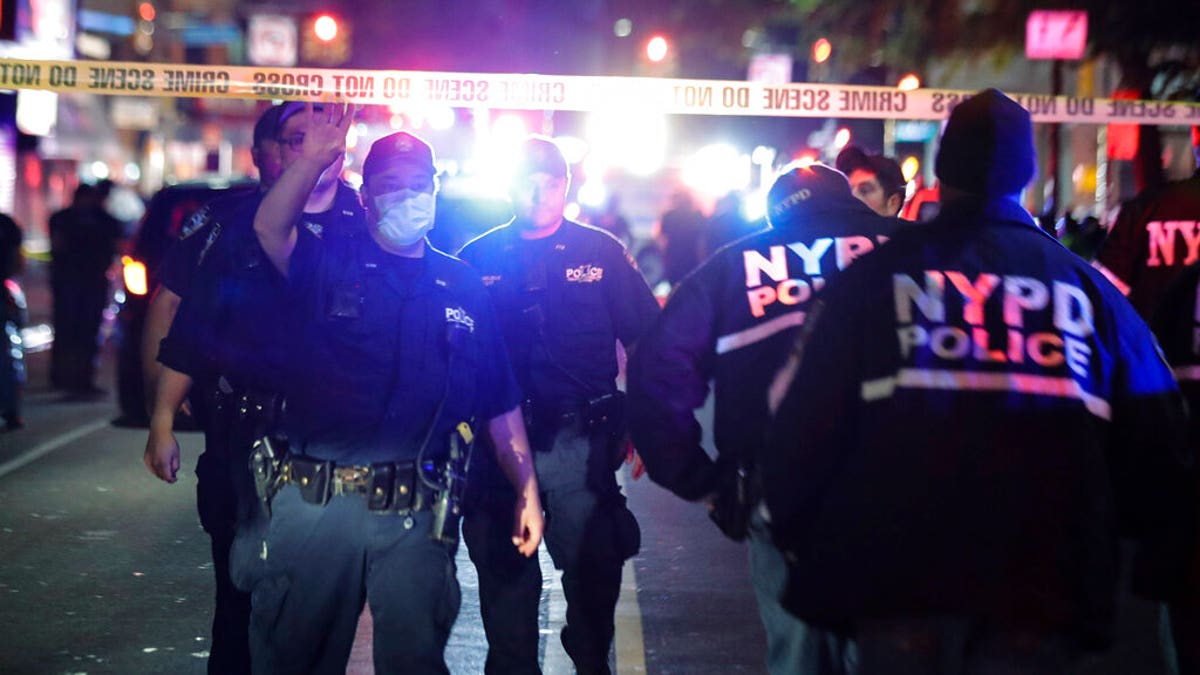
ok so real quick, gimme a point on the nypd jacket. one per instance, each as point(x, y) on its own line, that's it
point(1154, 237)
point(974, 422)
point(730, 323)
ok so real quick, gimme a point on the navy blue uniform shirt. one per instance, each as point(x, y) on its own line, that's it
point(563, 302)
point(204, 228)
point(386, 340)
point(237, 318)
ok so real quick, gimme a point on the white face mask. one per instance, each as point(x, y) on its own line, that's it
point(405, 216)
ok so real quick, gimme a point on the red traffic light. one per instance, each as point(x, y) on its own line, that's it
point(146, 11)
point(657, 48)
point(821, 50)
point(325, 27)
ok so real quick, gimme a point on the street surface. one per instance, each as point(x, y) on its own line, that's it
point(104, 569)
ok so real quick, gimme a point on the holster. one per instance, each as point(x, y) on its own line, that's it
point(266, 466)
point(448, 506)
point(605, 413)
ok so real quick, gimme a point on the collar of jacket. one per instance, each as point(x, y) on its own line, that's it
point(983, 209)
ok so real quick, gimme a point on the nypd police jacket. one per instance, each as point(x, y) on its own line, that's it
point(973, 425)
point(731, 322)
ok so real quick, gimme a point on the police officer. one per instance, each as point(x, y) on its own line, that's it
point(1153, 238)
point(732, 323)
point(1176, 323)
point(401, 353)
point(875, 179)
point(565, 293)
point(973, 420)
point(226, 342)
point(332, 203)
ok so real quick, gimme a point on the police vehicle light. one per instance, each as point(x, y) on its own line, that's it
point(134, 274)
point(592, 193)
point(628, 139)
point(656, 48)
point(325, 27)
point(805, 159)
point(574, 149)
point(909, 167)
point(440, 117)
point(717, 170)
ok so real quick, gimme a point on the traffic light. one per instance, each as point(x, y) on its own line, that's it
point(325, 40)
point(821, 50)
point(657, 49)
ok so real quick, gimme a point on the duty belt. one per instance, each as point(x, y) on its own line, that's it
point(387, 486)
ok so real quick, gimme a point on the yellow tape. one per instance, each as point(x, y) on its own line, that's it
point(557, 92)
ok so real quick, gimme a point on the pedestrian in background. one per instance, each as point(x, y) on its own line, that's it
point(875, 179)
point(83, 241)
point(730, 325)
point(565, 294)
point(681, 236)
point(972, 421)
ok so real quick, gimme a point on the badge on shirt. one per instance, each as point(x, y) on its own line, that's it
point(316, 228)
point(585, 274)
point(458, 317)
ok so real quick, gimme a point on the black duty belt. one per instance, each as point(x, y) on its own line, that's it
point(387, 486)
point(605, 412)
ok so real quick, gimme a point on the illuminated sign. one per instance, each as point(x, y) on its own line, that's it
point(1056, 34)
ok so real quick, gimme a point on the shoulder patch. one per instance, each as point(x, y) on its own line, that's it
point(199, 220)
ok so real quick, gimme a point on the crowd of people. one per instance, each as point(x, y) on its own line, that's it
point(935, 437)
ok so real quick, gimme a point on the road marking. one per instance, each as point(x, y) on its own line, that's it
point(631, 646)
point(50, 446)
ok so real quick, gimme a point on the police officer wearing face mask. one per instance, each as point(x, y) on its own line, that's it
point(402, 359)
point(566, 293)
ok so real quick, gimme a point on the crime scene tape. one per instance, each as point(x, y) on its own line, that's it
point(558, 92)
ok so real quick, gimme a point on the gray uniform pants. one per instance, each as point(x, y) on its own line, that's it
point(324, 562)
point(588, 534)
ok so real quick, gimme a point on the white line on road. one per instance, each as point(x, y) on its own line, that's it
point(50, 446)
point(630, 643)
